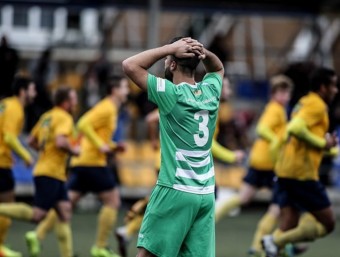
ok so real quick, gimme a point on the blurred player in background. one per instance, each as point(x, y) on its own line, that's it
point(51, 137)
point(182, 203)
point(11, 123)
point(299, 188)
point(270, 131)
point(89, 171)
point(135, 215)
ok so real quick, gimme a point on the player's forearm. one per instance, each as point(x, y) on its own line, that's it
point(299, 128)
point(136, 66)
point(86, 128)
point(266, 133)
point(147, 58)
point(221, 153)
point(212, 63)
point(17, 147)
point(334, 151)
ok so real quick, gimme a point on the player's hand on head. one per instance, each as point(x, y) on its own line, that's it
point(186, 48)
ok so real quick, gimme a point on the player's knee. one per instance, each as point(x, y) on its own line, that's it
point(38, 215)
point(330, 225)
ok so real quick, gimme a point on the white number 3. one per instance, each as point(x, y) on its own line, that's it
point(202, 126)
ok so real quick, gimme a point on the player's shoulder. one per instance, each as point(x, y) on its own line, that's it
point(313, 102)
point(60, 114)
point(104, 105)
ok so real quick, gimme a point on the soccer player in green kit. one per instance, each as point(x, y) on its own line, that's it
point(179, 219)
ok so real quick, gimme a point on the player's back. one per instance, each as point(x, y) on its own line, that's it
point(103, 119)
point(52, 160)
point(11, 121)
point(273, 118)
point(187, 123)
point(298, 159)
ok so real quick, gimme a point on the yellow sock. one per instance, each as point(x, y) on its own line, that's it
point(265, 226)
point(19, 211)
point(308, 229)
point(5, 223)
point(106, 220)
point(134, 225)
point(221, 211)
point(47, 224)
point(64, 236)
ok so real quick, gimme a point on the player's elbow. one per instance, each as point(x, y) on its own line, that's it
point(128, 67)
point(8, 138)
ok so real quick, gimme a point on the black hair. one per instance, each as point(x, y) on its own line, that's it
point(20, 82)
point(61, 95)
point(187, 64)
point(113, 82)
point(321, 76)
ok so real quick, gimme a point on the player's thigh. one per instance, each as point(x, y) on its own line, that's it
point(110, 198)
point(74, 197)
point(289, 218)
point(168, 218)
point(247, 192)
point(326, 217)
point(200, 239)
point(64, 210)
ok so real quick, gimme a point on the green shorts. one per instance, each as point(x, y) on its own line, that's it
point(177, 223)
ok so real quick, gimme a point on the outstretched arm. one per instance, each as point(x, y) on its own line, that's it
point(136, 66)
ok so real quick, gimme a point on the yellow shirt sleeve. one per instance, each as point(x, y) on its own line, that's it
point(11, 120)
point(222, 153)
point(11, 132)
point(270, 117)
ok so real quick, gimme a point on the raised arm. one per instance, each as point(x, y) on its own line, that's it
point(212, 63)
point(136, 66)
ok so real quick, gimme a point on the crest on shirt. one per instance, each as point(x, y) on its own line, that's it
point(197, 92)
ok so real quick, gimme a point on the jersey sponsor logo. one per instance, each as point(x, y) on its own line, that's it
point(160, 85)
point(198, 92)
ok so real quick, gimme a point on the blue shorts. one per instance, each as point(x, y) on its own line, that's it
point(90, 179)
point(6, 180)
point(260, 178)
point(48, 192)
point(309, 195)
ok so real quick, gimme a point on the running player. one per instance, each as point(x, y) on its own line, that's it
point(89, 172)
point(51, 137)
point(270, 130)
point(182, 203)
point(299, 188)
point(11, 123)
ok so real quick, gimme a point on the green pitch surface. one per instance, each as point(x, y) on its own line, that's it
point(233, 237)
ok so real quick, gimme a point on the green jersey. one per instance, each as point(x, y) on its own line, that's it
point(188, 116)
